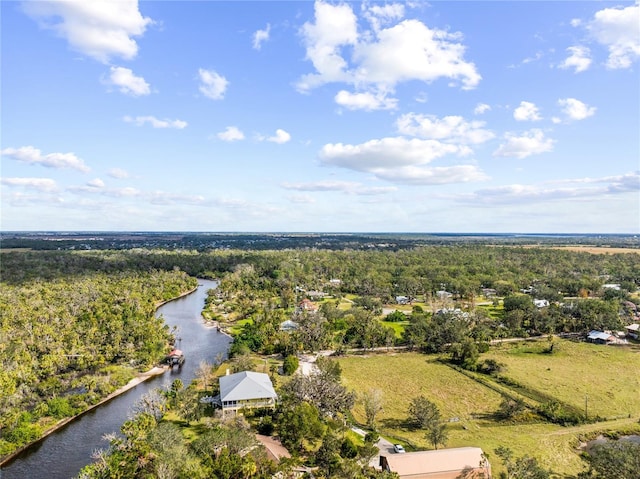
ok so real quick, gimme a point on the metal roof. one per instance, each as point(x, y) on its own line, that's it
point(246, 385)
point(433, 462)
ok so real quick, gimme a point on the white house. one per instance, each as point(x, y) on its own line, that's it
point(246, 390)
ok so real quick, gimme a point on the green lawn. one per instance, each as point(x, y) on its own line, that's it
point(403, 376)
point(608, 377)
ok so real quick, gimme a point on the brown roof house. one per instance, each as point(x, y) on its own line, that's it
point(439, 464)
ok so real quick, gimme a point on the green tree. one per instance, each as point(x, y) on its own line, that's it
point(524, 467)
point(613, 460)
point(290, 365)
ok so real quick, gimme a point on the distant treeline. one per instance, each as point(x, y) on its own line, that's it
point(279, 241)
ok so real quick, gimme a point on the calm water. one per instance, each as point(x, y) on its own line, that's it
point(65, 452)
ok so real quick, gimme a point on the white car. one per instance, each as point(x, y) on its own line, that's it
point(398, 448)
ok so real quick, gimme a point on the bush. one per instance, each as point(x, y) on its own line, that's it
point(348, 449)
point(395, 317)
point(290, 365)
point(60, 408)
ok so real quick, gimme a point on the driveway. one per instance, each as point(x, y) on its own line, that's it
point(385, 447)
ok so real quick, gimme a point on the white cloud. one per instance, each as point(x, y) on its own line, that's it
point(155, 122)
point(98, 188)
point(530, 143)
point(118, 173)
point(98, 29)
point(412, 51)
point(261, 36)
point(580, 59)
point(527, 111)
point(39, 184)
point(481, 108)
point(349, 187)
point(575, 109)
point(379, 156)
point(231, 133)
point(367, 101)
point(571, 189)
point(212, 84)
point(441, 175)
point(164, 198)
point(127, 82)
point(619, 30)
point(33, 156)
point(381, 58)
point(451, 128)
point(379, 15)
point(301, 199)
point(280, 137)
point(96, 183)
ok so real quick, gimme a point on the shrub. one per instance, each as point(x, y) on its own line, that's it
point(290, 365)
point(60, 408)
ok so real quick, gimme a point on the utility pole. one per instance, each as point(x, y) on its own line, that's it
point(586, 405)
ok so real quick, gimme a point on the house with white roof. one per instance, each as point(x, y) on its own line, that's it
point(246, 390)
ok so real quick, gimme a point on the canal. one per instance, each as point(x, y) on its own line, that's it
point(62, 454)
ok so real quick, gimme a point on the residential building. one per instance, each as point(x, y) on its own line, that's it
point(246, 390)
point(439, 464)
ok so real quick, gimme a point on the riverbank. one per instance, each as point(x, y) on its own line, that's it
point(139, 378)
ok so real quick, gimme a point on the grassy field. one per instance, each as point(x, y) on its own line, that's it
point(403, 376)
point(607, 377)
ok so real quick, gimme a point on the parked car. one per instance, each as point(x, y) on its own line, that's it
point(398, 448)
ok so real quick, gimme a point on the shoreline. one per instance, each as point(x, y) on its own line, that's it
point(139, 378)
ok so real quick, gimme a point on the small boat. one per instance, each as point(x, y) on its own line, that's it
point(175, 358)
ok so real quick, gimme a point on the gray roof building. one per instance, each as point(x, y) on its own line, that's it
point(246, 390)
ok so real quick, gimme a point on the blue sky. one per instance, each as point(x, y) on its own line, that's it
point(321, 116)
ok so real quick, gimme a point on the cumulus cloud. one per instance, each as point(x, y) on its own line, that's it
point(155, 122)
point(231, 133)
point(280, 137)
point(527, 111)
point(448, 128)
point(530, 143)
point(579, 59)
point(380, 58)
point(379, 15)
point(129, 84)
point(96, 183)
point(367, 101)
point(33, 156)
point(261, 36)
point(575, 109)
point(618, 29)
point(39, 184)
point(99, 29)
point(118, 173)
point(387, 153)
point(481, 108)
point(212, 85)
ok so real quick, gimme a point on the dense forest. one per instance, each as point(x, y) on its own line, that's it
point(77, 324)
point(69, 338)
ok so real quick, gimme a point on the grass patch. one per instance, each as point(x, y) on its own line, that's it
point(607, 375)
point(403, 376)
point(398, 327)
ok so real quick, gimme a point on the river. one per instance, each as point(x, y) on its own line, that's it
point(62, 454)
